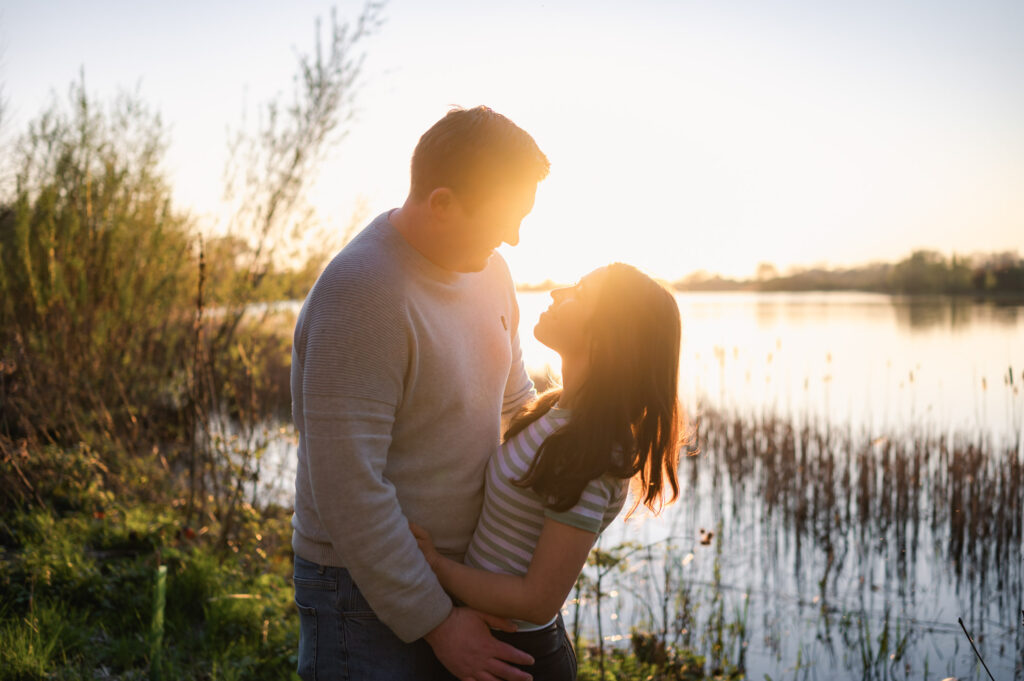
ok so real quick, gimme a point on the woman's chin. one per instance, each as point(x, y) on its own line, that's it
point(541, 334)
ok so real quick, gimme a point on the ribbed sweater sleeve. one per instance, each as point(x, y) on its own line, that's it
point(353, 357)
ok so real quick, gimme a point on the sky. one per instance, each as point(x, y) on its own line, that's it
point(682, 136)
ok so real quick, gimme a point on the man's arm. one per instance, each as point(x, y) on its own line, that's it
point(461, 638)
point(354, 357)
point(359, 510)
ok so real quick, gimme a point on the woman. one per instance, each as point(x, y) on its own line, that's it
point(562, 474)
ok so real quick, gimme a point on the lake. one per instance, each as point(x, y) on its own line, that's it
point(822, 573)
point(875, 361)
point(860, 486)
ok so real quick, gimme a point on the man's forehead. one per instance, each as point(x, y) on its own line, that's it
point(517, 194)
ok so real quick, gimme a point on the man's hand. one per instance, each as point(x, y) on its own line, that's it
point(464, 645)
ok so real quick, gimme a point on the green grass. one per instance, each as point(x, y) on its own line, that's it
point(77, 594)
point(78, 601)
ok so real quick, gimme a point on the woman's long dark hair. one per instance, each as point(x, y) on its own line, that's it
point(625, 417)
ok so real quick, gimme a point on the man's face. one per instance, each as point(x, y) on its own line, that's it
point(476, 232)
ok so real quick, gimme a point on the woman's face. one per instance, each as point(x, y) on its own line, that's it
point(564, 326)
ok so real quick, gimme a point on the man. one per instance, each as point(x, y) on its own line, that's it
point(406, 357)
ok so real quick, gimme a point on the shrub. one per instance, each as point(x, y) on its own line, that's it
point(94, 276)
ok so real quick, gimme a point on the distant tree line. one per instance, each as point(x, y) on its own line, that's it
point(922, 272)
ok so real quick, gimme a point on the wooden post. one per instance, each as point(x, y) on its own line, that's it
point(156, 631)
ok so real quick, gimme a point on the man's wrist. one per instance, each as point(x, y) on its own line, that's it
point(432, 635)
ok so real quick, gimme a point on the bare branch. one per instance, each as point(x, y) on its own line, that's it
point(270, 170)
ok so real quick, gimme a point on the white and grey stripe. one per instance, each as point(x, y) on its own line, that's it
point(512, 516)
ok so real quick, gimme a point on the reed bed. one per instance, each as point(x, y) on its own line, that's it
point(830, 552)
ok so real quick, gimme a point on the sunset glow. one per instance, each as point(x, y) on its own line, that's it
point(682, 136)
point(232, 446)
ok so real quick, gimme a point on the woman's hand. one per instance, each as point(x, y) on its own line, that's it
point(426, 544)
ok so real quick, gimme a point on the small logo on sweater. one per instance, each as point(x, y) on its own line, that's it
point(504, 324)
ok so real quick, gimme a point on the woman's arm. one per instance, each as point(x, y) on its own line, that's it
point(536, 597)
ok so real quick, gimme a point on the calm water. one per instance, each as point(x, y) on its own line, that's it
point(847, 587)
point(874, 361)
point(835, 592)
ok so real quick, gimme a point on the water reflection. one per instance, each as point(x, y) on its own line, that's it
point(849, 555)
point(869, 360)
point(923, 313)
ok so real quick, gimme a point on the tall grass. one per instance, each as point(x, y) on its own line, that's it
point(845, 532)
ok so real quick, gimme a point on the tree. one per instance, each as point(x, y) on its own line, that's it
point(923, 272)
point(766, 271)
point(267, 175)
point(270, 169)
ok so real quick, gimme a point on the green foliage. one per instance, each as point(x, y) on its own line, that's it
point(118, 333)
point(114, 336)
point(647, 658)
point(72, 478)
point(77, 600)
point(95, 270)
point(29, 647)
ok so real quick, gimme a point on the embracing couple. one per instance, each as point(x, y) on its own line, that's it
point(443, 509)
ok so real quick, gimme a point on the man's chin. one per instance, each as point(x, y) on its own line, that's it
point(477, 264)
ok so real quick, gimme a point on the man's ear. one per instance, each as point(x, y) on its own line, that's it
point(441, 202)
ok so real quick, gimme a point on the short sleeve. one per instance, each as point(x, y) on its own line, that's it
point(600, 499)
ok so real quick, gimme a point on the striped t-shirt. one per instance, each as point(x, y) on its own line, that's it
point(512, 516)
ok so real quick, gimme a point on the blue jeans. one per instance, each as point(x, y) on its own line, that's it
point(551, 649)
point(341, 638)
